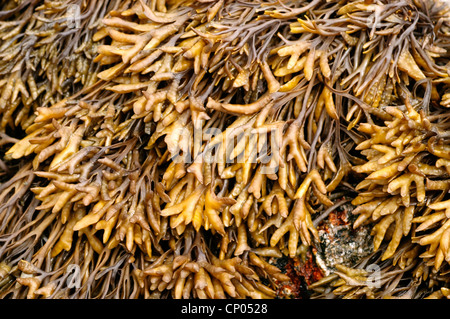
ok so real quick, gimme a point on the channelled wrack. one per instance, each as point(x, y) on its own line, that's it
point(196, 149)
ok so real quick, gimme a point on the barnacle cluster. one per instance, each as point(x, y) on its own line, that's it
point(175, 149)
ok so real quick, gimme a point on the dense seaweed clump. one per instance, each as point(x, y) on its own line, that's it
point(217, 148)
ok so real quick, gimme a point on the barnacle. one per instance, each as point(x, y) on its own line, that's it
point(191, 144)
